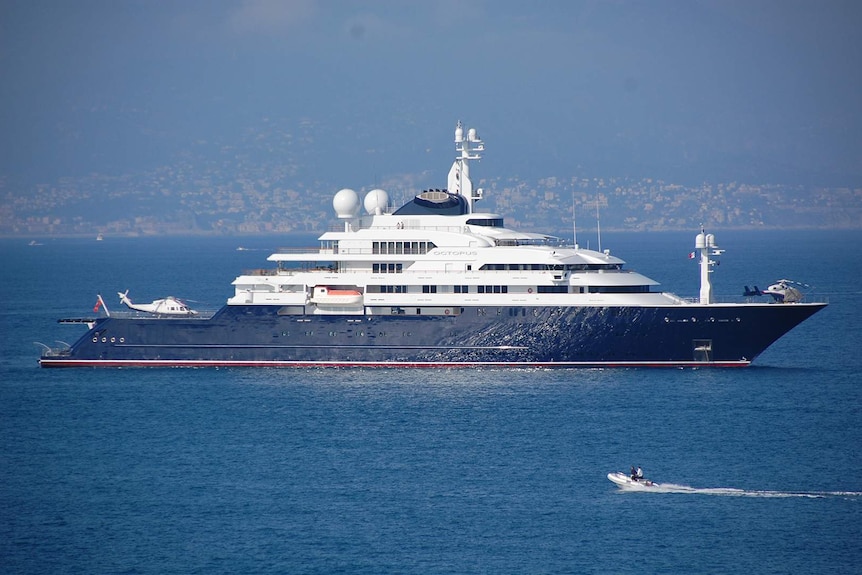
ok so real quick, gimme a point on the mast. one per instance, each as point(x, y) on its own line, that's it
point(598, 222)
point(705, 244)
point(574, 222)
point(459, 175)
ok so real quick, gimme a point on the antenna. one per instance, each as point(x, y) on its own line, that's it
point(598, 222)
point(469, 146)
point(574, 222)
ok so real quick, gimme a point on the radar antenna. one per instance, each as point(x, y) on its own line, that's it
point(574, 223)
point(469, 147)
point(704, 243)
point(598, 223)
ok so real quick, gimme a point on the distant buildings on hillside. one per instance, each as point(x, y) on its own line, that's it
point(181, 201)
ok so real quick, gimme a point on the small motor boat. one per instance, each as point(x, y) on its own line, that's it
point(625, 481)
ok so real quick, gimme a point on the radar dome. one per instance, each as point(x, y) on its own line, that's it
point(376, 201)
point(346, 203)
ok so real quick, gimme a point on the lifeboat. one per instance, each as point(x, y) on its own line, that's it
point(324, 295)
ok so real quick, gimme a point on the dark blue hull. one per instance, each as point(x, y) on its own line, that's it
point(716, 335)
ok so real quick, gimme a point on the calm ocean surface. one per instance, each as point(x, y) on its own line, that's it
point(427, 471)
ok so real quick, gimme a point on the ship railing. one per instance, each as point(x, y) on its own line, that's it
point(201, 314)
point(55, 352)
point(305, 250)
point(735, 299)
point(540, 275)
point(405, 224)
point(349, 251)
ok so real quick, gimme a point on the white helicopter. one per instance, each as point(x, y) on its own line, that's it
point(167, 306)
point(782, 291)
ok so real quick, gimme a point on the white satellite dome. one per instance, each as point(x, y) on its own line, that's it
point(376, 201)
point(346, 204)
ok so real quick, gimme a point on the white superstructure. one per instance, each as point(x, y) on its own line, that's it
point(437, 252)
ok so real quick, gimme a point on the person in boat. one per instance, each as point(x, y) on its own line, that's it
point(634, 474)
point(640, 474)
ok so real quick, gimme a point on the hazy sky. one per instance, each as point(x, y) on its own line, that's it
point(767, 90)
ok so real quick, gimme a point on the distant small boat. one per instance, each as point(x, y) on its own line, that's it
point(99, 238)
point(34, 243)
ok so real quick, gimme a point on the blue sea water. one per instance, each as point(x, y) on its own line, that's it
point(427, 471)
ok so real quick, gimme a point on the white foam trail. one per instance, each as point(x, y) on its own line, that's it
point(733, 492)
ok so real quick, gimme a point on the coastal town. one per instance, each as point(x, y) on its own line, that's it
point(279, 175)
point(183, 200)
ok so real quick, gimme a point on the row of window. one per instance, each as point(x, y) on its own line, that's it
point(484, 289)
point(398, 268)
point(550, 267)
point(410, 248)
point(310, 333)
point(489, 222)
point(387, 268)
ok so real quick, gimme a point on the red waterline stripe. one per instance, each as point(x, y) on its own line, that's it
point(419, 365)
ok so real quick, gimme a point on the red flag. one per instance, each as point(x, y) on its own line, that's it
point(691, 255)
point(98, 304)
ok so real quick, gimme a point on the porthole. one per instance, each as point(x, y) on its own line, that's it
point(95, 339)
point(122, 340)
point(113, 340)
point(104, 339)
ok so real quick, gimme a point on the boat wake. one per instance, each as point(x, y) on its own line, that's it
point(733, 492)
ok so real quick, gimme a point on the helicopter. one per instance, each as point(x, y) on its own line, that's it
point(166, 306)
point(782, 291)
